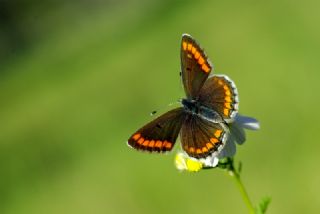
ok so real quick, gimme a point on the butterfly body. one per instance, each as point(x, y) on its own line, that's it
point(202, 121)
point(194, 107)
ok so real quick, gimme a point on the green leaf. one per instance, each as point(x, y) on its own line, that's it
point(263, 205)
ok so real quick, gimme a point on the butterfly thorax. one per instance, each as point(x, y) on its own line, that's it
point(196, 108)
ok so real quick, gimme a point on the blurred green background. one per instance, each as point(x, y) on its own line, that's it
point(77, 78)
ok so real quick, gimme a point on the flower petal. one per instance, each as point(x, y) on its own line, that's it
point(180, 161)
point(237, 133)
point(247, 122)
point(229, 150)
point(211, 161)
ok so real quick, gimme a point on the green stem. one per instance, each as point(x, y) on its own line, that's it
point(228, 164)
point(243, 191)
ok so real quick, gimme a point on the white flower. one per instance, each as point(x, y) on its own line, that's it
point(236, 136)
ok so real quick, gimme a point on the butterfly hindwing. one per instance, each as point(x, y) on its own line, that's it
point(220, 94)
point(160, 134)
point(201, 138)
point(195, 66)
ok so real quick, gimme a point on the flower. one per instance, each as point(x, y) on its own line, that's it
point(236, 136)
point(185, 162)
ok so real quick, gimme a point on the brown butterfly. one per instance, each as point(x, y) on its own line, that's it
point(211, 103)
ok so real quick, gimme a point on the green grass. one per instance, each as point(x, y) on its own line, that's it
point(70, 102)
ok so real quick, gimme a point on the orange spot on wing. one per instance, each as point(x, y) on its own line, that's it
point(164, 143)
point(205, 68)
point(151, 144)
point(204, 149)
point(191, 150)
point(197, 55)
point(225, 87)
point(184, 45)
point(227, 105)
point(226, 111)
point(228, 99)
point(158, 144)
point(145, 143)
point(220, 82)
point(140, 141)
point(217, 133)
point(209, 145)
point(189, 47)
point(136, 136)
point(193, 50)
point(201, 60)
point(214, 140)
point(167, 144)
point(198, 151)
point(227, 92)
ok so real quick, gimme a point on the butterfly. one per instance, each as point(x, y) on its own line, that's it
point(203, 120)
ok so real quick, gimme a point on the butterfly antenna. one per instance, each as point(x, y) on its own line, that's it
point(154, 112)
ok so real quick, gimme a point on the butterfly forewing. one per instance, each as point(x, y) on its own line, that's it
point(160, 134)
point(220, 94)
point(195, 66)
point(201, 138)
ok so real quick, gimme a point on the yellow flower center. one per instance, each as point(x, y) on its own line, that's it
point(183, 162)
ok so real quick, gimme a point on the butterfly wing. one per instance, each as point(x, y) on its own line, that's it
point(195, 66)
point(160, 134)
point(201, 138)
point(220, 94)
